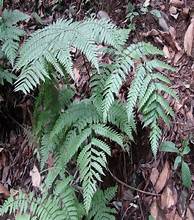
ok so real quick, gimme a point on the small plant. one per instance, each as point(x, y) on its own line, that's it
point(170, 147)
point(10, 34)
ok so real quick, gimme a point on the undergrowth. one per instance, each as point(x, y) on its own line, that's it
point(83, 132)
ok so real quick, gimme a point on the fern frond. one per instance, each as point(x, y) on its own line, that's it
point(113, 84)
point(137, 51)
point(5, 75)
point(13, 17)
point(46, 44)
point(10, 34)
point(65, 192)
point(109, 133)
point(134, 90)
point(99, 209)
point(91, 162)
point(155, 135)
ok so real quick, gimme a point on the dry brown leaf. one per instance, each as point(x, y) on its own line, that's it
point(156, 212)
point(189, 215)
point(166, 52)
point(163, 24)
point(186, 11)
point(146, 3)
point(177, 3)
point(168, 198)
point(178, 56)
point(153, 32)
point(3, 191)
point(164, 176)
point(188, 39)
point(3, 160)
point(177, 217)
point(76, 74)
point(170, 215)
point(36, 178)
point(174, 12)
point(154, 175)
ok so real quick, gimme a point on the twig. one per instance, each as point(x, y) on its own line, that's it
point(131, 187)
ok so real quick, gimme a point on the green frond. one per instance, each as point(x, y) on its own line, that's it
point(154, 64)
point(92, 160)
point(65, 192)
point(165, 105)
point(5, 75)
point(114, 82)
point(134, 90)
point(109, 133)
point(68, 149)
point(47, 44)
point(41, 208)
point(164, 88)
point(137, 51)
point(99, 209)
point(118, 116)
point(10, 34)
point(13, 17)
point(83, 110)
point(155, 135)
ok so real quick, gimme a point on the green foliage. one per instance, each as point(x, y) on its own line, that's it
point(147, 89)
point(53, 45)
point(10, 33)
point(61, 204)
point(99, 209)
point(170, 147)
point(83, 132)
point(5, 75)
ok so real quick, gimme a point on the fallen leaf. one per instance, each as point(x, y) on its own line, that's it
point(3, 160)
point(182, 202)
point(186, 11)
point(103, 15)
point(76, 74)
point(154, 175)
point(178, 56)
point(191, 205)
point(177, 3)
point(156, 212)
point(163, 24)
point(189, 215)
point(177, 217)
point(171, 214)
point(36, 178)
point(146, 3)
point(168, 198)
point(188, 39)
point(174, 12)
point(163, 177)
point(3, 191)
point(5, 174)
point(166, 52)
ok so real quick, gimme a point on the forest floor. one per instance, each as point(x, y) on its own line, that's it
point(158, 187)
